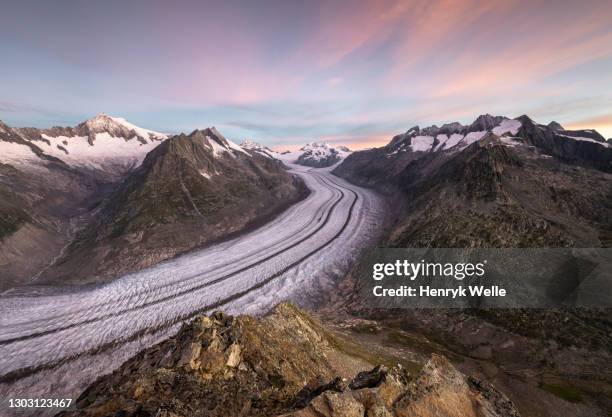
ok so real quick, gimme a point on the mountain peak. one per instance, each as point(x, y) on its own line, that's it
point(116, 127)
point(214, 139)
point(311, 145)
point(486, 122)
point(103, 142)
point(324, 146)
point(524, 119)
point(100, 121)
point(258, 147)
point(250, 144)
point(317, 154)
point(555, 125)
point(3, 126)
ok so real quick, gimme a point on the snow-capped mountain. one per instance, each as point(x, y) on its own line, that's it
point(581, 147)
point(316, 154)
point(15, 148)
point(259, 148)
point(103, 142)
point(111, 197)
point(497, 182)
point(455, 136)
point(218, 144)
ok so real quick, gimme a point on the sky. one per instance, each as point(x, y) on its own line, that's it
point(288, 72)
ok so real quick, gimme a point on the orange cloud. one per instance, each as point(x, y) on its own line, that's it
point(602, 123)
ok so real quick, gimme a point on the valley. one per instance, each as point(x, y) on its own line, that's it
point(301, 252)
point(199, 224)
point(397, 208)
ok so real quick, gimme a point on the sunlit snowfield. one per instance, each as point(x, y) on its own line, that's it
point(55, 345)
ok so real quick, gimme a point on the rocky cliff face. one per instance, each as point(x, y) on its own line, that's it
point(578, 147)
point(284, 364)
point(499, 196)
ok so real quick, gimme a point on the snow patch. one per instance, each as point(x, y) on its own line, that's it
point(208, 175)
point(441, 138)
point(508, 125)
point(105, 149)
point(144, 133)
point(473, 137)
point(16, 153)
point(259, 148)
point(217, 149)
point(580, 138)
point(508, 141)
point(421, 143)
point(236, 147)
point(453, 140)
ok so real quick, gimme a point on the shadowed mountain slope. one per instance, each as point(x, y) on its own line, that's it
point(190, 190)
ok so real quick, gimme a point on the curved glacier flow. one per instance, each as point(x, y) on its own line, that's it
point(64, 341)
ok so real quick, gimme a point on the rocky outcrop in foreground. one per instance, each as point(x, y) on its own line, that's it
point(284, 364)
point(439, 390)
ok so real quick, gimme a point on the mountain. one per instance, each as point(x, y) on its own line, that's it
point(189, 191)
point(476, 187)
point(106, 196)
point(103, 143)
point(287, 363)
point(501, 183)
point(576, 147)
point(251, 146)
point(44, 201)
point(316, 155)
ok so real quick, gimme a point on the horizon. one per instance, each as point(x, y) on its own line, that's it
point(382, 141)
point(349, 73)
point(373, 143)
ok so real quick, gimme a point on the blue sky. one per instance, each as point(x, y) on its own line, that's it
point(287, 72)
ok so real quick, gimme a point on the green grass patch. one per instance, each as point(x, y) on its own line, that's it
point(566, 392)
point(350, 348)
point(372, 356)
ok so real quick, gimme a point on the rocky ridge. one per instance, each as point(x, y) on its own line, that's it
point(378, 166)
point(517, 185)
point(287, 364)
